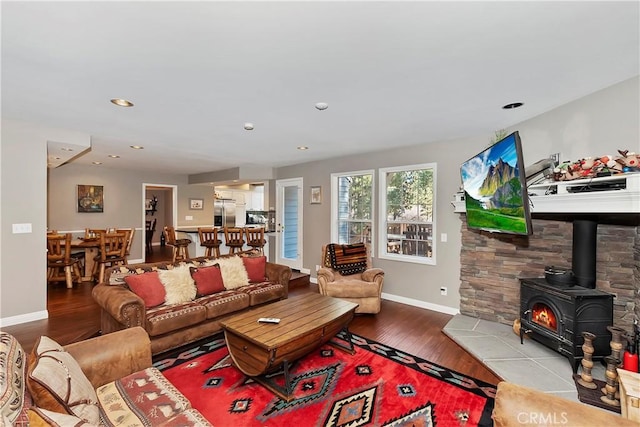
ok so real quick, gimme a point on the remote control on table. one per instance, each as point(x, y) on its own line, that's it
point(269, 320)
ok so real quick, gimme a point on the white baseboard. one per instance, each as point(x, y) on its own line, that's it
point(313, 280)
point(136, 261)
point(422, 304)
point(305, 271)
point(24, 318)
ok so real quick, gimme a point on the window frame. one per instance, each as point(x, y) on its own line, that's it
point(334, 203)
point(382, 214)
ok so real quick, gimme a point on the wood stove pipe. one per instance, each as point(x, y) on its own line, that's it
point(585, 237)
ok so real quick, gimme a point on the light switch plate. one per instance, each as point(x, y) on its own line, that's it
point(21, 228)
point(188, 218)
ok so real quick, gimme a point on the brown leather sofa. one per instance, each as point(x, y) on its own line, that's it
point(173, 326)
point(516, 405)
point(106, 359)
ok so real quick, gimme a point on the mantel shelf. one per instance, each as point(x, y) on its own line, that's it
point(565, 196)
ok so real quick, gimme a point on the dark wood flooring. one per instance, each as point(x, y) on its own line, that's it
point(73, 316)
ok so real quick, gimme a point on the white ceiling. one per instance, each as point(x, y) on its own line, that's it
point(393, 73)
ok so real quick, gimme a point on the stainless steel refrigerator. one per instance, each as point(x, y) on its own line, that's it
point(224, 213)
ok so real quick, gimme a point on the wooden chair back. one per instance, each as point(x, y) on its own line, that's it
point(61, 266)
point(209, 239)
point(58, 247)
point(255, 237)
point(150, 228)
point(170, 234)
point(234, 238)
point(207, 234)
point(113, 245)
point(150, 224)
point(131, 232)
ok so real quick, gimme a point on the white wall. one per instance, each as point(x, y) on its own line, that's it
point(23, 295)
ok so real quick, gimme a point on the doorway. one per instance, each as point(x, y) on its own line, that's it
point(289, 222)
point(163, 212)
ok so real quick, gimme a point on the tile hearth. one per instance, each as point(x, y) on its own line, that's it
point(530, 364)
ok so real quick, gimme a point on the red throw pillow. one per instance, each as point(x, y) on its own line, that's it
point(256, 268)
point(148, 287)
point(208, 279)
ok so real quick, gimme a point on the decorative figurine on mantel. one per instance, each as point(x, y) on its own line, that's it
point(592, 167)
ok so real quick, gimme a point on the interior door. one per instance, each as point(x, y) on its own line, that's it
point(289, 222)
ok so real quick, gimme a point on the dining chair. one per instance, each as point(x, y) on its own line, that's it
point(255, 238)
point(61, 265)
point(180, 246)
point(234, 240)
point(209, 239)
point(150, 229)
point(131, 232)
point(113, 249)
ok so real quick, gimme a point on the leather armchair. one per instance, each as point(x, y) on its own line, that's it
point(364, 289)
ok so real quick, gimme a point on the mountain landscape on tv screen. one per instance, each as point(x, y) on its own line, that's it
point(501, 206)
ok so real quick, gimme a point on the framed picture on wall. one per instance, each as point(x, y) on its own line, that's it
point(196, 204)
point(316, 195)
point(90, 198)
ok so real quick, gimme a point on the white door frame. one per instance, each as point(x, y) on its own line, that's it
point(295, 264)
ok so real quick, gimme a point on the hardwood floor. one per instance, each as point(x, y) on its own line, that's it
point(73, 316)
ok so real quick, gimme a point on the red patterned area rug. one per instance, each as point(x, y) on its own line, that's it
point(377, 386)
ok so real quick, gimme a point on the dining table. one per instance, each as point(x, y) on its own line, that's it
point(91, 247)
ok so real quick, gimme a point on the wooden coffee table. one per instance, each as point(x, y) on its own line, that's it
point(306, 322)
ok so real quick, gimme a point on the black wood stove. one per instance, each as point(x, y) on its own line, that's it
point(557, 314)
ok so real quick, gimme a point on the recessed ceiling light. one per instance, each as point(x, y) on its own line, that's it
point(56, 158)
point(97, 163)
point(137, 147)
point(302, 148)
point(114, 156)
point(248, 126)
point(121, 102)
point(512, 105)
point(322, 106)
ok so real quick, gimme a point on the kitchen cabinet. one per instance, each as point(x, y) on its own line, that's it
point(241, 215)
point(257, 201)
point(239, 197)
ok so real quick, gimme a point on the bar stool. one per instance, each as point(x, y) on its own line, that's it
point(255, 238)
point(180, 246)
point(233, 237)
point(209, 239)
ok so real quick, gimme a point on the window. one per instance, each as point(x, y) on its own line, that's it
point(352, 207)
point(407, 212)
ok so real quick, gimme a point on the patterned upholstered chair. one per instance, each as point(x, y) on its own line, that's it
point(347, 273)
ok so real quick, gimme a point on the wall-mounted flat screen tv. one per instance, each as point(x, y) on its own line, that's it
point(495, 188)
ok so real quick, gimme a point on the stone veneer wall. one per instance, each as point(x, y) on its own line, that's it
point(492, 263)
